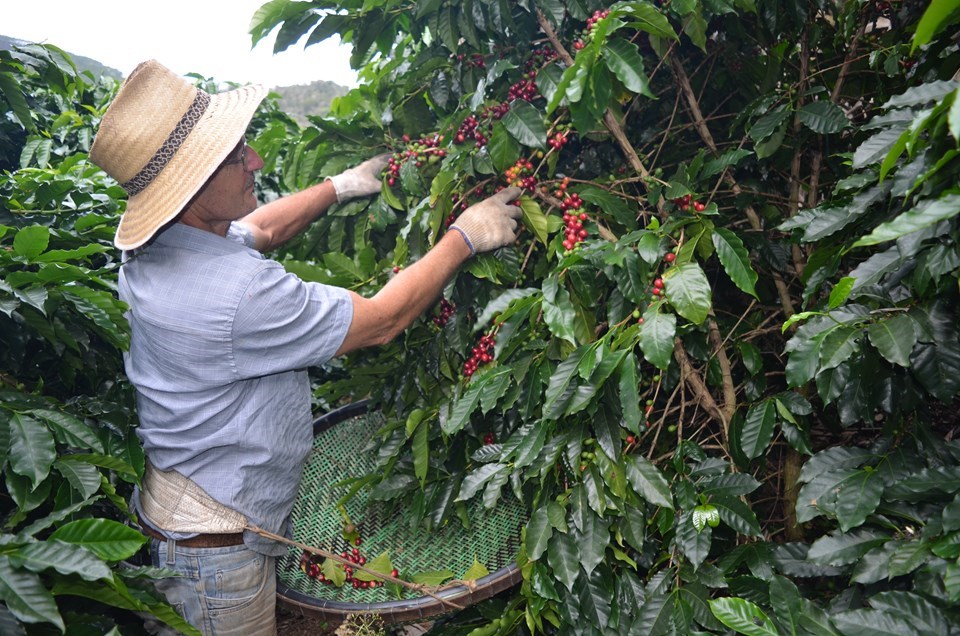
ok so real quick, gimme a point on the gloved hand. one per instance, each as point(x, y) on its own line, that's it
point(491, 223)
point(360, 181)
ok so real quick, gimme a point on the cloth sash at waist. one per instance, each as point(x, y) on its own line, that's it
point(175, 503)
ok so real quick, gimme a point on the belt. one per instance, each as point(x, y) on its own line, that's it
point(199, 541)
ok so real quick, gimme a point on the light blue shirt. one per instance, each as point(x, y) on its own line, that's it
point(221, 339)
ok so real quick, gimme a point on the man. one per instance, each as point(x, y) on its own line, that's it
point(221, 337)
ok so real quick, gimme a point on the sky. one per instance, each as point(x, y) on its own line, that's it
point(208, 37)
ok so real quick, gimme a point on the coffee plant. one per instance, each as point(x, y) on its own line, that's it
point(68, 453)
point(720, 364)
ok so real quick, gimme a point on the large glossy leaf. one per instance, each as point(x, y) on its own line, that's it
point(593, 541)
point(594, 593)
point(657, 336)
point(823, 117)
point(648, 481)
point(924, 215)
point(870, 622)
point(922, 614)
point(525, 123)
point(65, 558)
point(688, 291)
point(735, 259)
point(844, 548)
point(83, 477)
point(558, 311)
point(857, 496)
point(538, 533)
point(894, 338)
point(26, 596)
point(743, 616)
point(32, 449)
point(108, 539)
point(623, 59)
point(564, 559)
point(758, 429)
point(694, 543)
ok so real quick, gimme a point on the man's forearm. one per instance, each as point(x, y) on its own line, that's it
point(278, 221)
point(409, 294)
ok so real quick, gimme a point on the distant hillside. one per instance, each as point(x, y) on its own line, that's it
point(299, 101)
point(83, 63)
point(309, 99)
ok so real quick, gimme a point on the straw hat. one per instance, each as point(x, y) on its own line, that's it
point(162, 138)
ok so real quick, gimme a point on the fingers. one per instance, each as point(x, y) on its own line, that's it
point(508, 194)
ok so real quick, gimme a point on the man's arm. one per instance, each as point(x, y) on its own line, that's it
point(380, 319)
point(484, 226)
point(276, 222)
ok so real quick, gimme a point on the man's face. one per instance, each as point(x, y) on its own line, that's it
point(228, 194)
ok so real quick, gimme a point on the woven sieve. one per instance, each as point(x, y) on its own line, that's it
point(340, 440)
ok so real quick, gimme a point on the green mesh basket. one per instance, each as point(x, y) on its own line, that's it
point(340, 439)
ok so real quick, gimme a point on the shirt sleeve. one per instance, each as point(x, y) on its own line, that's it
point(283, 323)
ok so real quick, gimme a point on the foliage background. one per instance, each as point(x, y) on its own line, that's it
point(764, 446)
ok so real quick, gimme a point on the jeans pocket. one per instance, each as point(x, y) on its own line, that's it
point(235, 582)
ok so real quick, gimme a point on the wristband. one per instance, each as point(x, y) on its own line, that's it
point(466, 239)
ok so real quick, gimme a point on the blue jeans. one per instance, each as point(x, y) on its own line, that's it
point(231, 590)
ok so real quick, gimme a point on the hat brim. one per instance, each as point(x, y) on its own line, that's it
point(204, 149)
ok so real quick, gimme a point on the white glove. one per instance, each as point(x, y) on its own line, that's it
point(491, 223)
point(360, 181)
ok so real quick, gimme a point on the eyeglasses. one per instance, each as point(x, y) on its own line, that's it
point(233, 158)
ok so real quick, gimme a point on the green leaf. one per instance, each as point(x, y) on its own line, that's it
point(692, 541)
point(823, 117)
point(69, 430)
point(83, 477)
point(476, 479)
point(538, 532)
point(923, 615)
point(558, 311)
point(525, 123)
point(646, 17)
point(62, 557)
point(26, 596)
point(629, 396)
point(657, 335)
point(32, 449)
point(735, 259)
point(844, 548)
point(841, 291)
point(648, 481)
point(534, 219)
point(857, 496)
point(913, 220)
point(380, 563)
point(786, 602)
point(623, 59)
point(758, 429)
point(705, 515)
point(688, 291)
point(728, 485)
point(108, 539)
point(742, 616)
point(432, 577)
point(564, 559)
point(594, 599)
point(894, 338)
point(31, 241)
point(738, 515)
point(869, 622)
point(421, 451)
point(935, 18)
point(462, 407)
point(561, 386)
